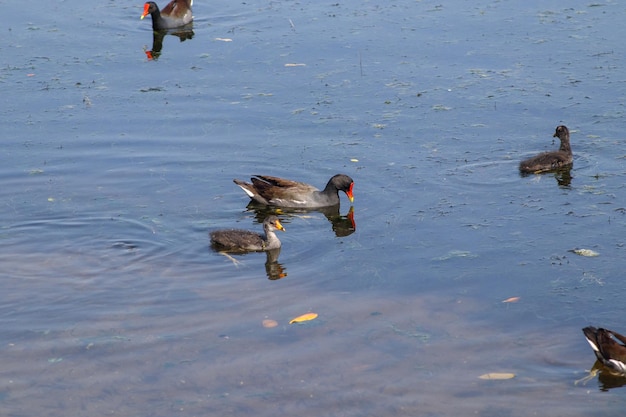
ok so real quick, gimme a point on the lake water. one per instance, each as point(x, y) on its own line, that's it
point(115, 167)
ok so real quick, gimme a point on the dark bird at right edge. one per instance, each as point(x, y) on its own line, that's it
point(609, 347)
point(553, 160)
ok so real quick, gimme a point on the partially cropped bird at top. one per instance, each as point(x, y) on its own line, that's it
point(175, 14)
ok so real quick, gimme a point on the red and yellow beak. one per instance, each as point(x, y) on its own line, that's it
point(349, 193)
point(146, 12)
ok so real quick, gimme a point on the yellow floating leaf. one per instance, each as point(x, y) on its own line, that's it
point(497, 375)
point(304, 317)
point(511, 300)
point(354, 160)
point(269, 323)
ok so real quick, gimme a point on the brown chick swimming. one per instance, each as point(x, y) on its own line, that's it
point(235, 240)
point(553, 160)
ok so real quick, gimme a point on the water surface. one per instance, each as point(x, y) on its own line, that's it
point(115, 167)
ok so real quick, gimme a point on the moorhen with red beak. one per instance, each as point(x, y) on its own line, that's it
point(279, 192)
point(177, 13)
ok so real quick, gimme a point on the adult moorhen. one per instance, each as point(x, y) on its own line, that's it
point(608, 350)
point(234, 240)
point(279, 192)
point(551, 161)
point(177, 13)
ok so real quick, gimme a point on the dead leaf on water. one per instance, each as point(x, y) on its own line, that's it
point(456, 254)
point(585, 252)
point(269, 323)
point(497, 375)
point(304, 317)
point(511, 300)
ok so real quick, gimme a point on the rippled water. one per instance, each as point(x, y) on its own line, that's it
point(114, 168)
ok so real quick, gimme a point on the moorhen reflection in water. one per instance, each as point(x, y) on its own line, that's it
point(157, 40)
point(274, 269)
point(607, 378)
point(342, 225)
point(564, 177)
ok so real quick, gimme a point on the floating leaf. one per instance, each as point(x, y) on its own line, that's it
point(456, 254)
point(304, 317)
point(354, 160)
point(268, 323)
point(511, 300)
point(497, 375)
point(585, 252)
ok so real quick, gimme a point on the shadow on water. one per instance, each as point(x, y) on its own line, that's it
point(342, 225)
point(183, 33)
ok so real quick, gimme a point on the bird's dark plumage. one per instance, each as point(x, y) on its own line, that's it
point(551, 161)
point(280, 192)
point(609, 347)
point(235, 240)
point(175, 14)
